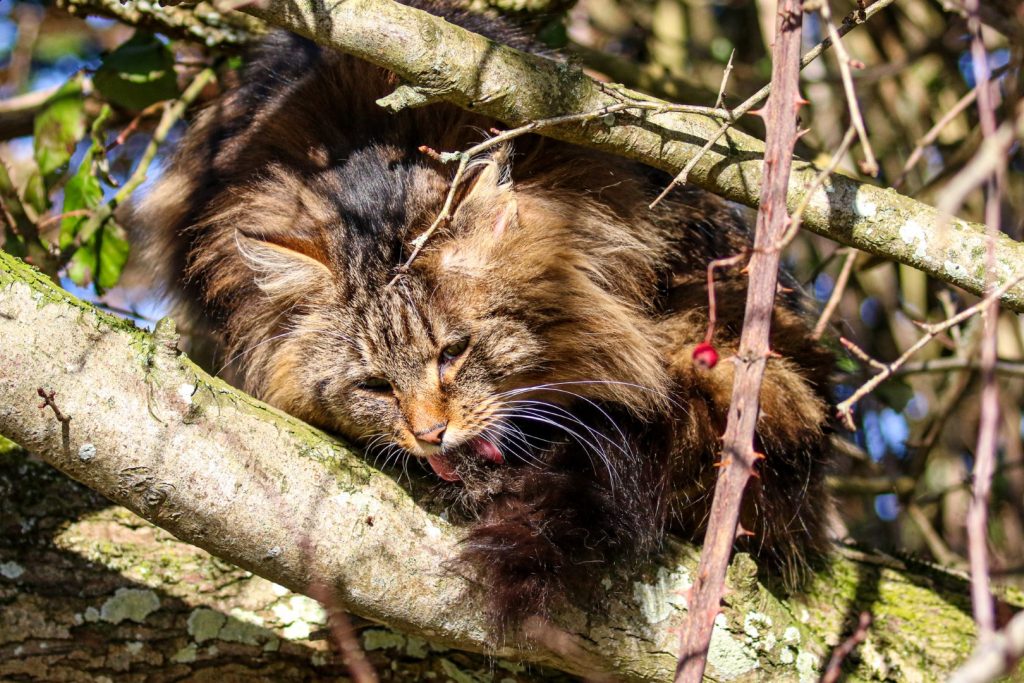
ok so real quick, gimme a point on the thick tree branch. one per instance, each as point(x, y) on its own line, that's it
point(218, 469)
point(440, 61)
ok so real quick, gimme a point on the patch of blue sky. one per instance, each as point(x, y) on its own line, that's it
point(100, 22)
point(887, 506)
point(823, 285)
point(917, 407)
point(870, 311)
point(894, 430)
point(871, 434)
point(995, 59)
point(8, 34)
point(56, 73)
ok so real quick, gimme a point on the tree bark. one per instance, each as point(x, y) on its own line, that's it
point(149, 430)
point(440, 61)
point(90, 590)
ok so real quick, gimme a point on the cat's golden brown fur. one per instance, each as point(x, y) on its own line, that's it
point(540, 350)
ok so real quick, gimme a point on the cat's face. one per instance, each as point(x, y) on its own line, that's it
point(501, 325)
point(429, 367)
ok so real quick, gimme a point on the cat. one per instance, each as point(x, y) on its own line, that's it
point(538, 354)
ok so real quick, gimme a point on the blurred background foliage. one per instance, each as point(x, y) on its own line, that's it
point(89, 103)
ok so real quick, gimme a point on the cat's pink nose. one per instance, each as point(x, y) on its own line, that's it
point(432, 435)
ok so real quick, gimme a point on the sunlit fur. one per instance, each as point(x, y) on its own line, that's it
point(284, 214)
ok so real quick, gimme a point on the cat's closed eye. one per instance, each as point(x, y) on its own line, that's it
point(377, 385)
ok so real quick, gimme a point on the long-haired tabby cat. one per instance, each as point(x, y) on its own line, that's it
point(538, 356)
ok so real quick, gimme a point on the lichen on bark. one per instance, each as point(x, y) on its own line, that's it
point(286, 502)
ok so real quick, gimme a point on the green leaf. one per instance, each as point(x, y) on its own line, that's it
point(58, 128)
point(35, 194)
point(138, 73)
point(83, 191)
point(895, 393)
point(13, 243)
point(845, 363)
point(101, 260)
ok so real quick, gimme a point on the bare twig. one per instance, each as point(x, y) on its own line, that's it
point(844, 409)
point(870, 164)
point(725, 79)
point(47, 397)
point(991, 155)
point(173, 111)
point(464, 157)
point(932, 538)
point(133, 125)
point(933, 133)
point(839, 655)
point(50, 220)
point(852, 20)
point(726, 262)
point(1002, 367)
point(738, 455)
point(797, 219)
point(994, 657)
point(837, 293)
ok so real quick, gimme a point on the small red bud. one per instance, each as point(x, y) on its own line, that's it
point(705, 356)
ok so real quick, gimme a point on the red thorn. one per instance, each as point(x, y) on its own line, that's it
point(800, 102)
point(757, 112)
point(741, 531)
point(856, 64)
point(754, 473)
point(774, 354)
point(802, 132)
point(723, 463)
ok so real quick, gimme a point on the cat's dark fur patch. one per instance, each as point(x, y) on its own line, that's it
point(288, 206)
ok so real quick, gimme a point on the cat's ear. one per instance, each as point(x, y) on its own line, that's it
point(285, 269)
point(486, 198)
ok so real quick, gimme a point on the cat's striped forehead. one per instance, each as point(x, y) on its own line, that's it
point(401, 327)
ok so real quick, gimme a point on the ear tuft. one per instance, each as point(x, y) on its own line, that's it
point(286, 273)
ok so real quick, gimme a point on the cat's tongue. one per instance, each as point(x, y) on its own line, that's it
point(487, 450)
point(443, 467)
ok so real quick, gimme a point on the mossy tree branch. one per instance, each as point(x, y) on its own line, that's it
point(440, 61)
point(218, 469)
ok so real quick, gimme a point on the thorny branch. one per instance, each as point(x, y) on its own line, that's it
point(738, 456)
point(988, 425)
point(995, 657)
